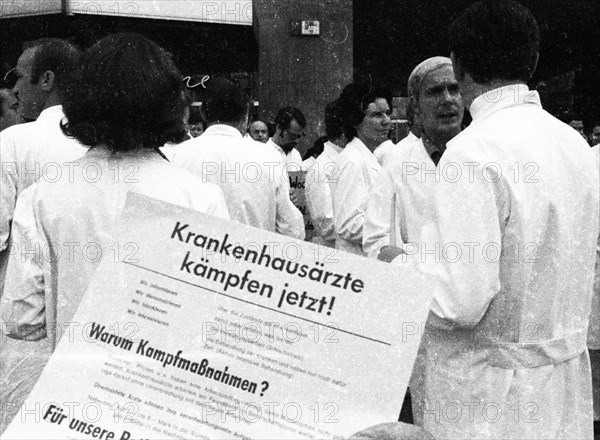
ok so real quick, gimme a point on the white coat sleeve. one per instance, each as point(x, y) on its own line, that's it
point(318, 201)
point(350, 201)
point(9, 182)
point(377, 227)
point(289, 220)
point(23, 302)
point(468, 218)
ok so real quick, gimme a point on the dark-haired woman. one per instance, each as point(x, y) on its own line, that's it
point(126, 104)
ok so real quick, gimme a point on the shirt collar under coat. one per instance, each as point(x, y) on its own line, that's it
point(502, 97)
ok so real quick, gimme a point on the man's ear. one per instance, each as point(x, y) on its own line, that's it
point(48, 81)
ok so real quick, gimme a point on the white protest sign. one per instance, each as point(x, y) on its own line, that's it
point(218, 330)
point(298, 188)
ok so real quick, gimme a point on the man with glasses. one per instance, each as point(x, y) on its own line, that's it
point(290, 124)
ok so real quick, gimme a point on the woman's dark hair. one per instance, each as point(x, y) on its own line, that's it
point(496, 39)
point(317, 148)
point(353, 103)
point(333, 121)
point(128, 96)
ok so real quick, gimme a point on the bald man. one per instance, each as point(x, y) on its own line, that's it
point(409, 170)
point(259, 132)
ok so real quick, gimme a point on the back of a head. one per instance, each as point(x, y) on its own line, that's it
point(354, 102)
point(496, 40)
point(225, 102)
point(286, 115)
point(58, 56)
point(128, 96)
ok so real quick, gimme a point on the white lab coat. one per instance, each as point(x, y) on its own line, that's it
point(593, 340)
point(72, 221)
point(254, 182)
point(352, 183)
point(318, 192)
point(28, 152)
point(383, 149)
point(504, 350)
point(307, 163)
point(292, 160)
point(406, 181)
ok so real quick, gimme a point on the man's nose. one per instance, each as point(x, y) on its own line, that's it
point(449, 95)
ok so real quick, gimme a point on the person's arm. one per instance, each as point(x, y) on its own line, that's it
point(23, 302)
point(377, 226)
point(469, 216)
point(318, 200)
point(9, 181)
point(350, 201)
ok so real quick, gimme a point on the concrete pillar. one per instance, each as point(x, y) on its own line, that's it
point(302, 71)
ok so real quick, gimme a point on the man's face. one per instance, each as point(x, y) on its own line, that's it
point(30, 96)
point(440, 108)
point(9, 109)
point(259, 131)
point(290, 136)
point(596, 135)
point(375, 126)
point(196, 129)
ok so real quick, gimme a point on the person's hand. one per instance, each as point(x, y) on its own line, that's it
point(393, 431)
point(387, 253)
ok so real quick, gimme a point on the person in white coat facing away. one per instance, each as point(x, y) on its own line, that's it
point(365, 113)
point(250, 173)
point(81, 208)
point(514, 233)
point(318, 178)
point(31, 152)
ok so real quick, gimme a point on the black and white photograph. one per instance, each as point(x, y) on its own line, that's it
point(300, 219)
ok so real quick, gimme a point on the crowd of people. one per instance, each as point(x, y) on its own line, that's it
point(503, 215)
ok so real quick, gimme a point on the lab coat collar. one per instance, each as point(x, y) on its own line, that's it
point(54, 112)
point(277, 147)
point(503, 97)
point(332, 149)
point(222, 130)
point(358, 145)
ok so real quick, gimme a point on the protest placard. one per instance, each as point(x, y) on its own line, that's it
point(298, 189)
point(213, 329)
